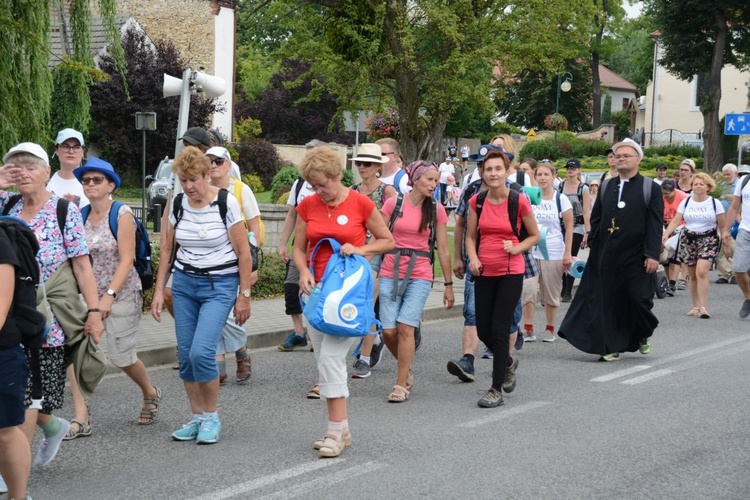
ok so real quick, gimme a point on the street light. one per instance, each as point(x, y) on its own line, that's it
point(565, 87)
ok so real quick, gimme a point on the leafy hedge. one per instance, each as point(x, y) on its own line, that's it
point(258, 156)
point(286, 176)
point(254, 182)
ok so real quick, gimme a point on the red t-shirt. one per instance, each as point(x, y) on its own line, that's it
point(670, 209)
point(406, 234)
point(346, 224)
point(495, 228)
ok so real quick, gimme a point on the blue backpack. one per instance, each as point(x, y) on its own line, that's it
point(343, 302)
point(142, 243)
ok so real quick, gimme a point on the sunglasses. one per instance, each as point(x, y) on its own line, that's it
point(218, 161)
point(367, 164)
point(88, 180)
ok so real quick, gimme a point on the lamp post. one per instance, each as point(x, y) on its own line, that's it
point(565, 87)
point(144, 121)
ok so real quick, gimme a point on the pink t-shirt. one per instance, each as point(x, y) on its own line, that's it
point(406, 234)
point(494, 224)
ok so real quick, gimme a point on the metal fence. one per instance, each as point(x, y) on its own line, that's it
point(670, 137)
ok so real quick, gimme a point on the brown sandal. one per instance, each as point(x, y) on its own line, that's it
point(314, 393)
point(148, 416)
point(399, 394)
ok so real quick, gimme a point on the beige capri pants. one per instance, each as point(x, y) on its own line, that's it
point(121, 328)
point(550, 281)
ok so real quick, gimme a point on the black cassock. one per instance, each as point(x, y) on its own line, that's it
point(611, 310)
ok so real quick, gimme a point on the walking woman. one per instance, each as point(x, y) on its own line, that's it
point(553, 208)
point(497, 263)
point(403, 296)
point(118, 284)
point(686, 171)
point(369, 162)
point(334, 211)
point(65, 267)
point(699, 241)
point(211, 260)
point(580, 199)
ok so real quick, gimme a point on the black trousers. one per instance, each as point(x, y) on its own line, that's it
point(496, 298)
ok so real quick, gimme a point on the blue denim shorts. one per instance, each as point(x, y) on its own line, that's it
point(13, 379)
point(470, 311)
point(406, 309)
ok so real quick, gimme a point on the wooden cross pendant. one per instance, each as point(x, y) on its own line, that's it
point(612, 228)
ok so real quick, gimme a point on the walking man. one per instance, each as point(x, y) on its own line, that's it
point(611, 312)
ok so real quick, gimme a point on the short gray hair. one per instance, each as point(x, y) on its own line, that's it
point(23, 157)
point(315, 143)
point(729, 167)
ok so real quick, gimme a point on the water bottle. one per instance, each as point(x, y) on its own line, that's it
point(251, 237)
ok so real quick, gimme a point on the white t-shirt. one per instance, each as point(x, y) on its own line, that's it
point(305, 190)
point(446, 169)
point(514, 178)
point(700, 216)
point(659, 181)
point(556, 183)
point(204, 241)
point(465, 151)
point(61, 187)
point(234, 171)
point(744, 195)
point(547, 216)
point(402, 184)
point(249, 203)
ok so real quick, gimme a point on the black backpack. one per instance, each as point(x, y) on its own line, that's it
point(23, 312)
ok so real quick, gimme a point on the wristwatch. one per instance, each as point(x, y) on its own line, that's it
point(112, 293)
point(246, 293)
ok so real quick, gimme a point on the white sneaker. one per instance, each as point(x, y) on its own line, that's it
point(530, 337)
point(548, 336)
point(51, 445)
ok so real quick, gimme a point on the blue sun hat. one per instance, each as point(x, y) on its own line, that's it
point(94, 164)
point(486, 148)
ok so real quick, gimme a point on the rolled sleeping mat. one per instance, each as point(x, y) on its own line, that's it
point(577, 266)
point(542, 245)
point(535, 194)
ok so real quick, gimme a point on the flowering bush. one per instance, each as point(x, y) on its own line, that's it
point(382, 125)
point(556, 121)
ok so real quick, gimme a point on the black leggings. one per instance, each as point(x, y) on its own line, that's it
point(496, 298)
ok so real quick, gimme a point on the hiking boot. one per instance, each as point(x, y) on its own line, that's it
point(375, 354)
point(51, 445)
point(361, 369)
point(189, 431)
point(745, 310)
point(722, 281)
point(509, 384)
point(492, 399)
point(644, 346)
point(462, 369)
point(529, 337)
point(244, 370)
point(615, 356)
point(487, 354)
point(292, 342)
point(671, 289)
point(209, 431)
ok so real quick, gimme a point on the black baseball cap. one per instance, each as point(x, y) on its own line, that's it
point(195, 136)
point(573, 163)
point(661, 166)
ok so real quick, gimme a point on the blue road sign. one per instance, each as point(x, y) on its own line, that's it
point(737, 124)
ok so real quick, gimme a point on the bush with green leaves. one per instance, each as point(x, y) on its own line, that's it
point(258, 156)
point(621, 119)
point(589, 147)
point(348, 178)
point(283, 196)
point(541, 148)
point(683, 151)
point(254, 182)
point(286, 176)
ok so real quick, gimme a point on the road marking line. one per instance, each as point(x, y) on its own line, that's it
point(699, 350)
point(647, 377)
point(503, 414)
point(261, 482)
point(326, 480)
point(621, 373)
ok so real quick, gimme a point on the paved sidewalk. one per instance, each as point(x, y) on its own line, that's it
point(268, 325)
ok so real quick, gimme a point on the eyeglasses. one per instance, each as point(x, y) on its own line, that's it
point(390, 153)
point(218, 161)
point(66, 148)
point(320, 187)
point(624, 157)
point(367, 164)
point(88, 180)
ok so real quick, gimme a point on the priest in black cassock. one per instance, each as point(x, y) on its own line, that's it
point(611, 311)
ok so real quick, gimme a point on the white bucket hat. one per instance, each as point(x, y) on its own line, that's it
point(371, 152)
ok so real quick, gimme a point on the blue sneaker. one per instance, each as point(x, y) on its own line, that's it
point(209, 432)
point(292, 342)
point(189, 431)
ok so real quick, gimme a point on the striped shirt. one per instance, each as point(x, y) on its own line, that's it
point(203, 239)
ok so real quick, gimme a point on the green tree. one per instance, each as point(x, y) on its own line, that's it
point(607, 15)
point(633, 58)
point(700, 38)
point(607, 111)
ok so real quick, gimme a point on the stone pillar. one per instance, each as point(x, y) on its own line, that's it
point(273, 217)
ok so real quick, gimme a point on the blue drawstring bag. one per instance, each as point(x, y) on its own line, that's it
point(342, 304)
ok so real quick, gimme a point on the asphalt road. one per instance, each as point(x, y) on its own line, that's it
point(670, 425)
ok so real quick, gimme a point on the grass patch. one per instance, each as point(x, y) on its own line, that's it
point(264, 197)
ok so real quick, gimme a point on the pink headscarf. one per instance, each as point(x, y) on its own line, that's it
point(417, 169)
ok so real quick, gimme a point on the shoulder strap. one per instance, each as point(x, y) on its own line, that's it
point(647, 184)
point(561, 187)
point(17, 197)
point(433, 229)
point(238, 184)
point(480, 202)
point(559, 205)
point(177, 208)
point(222, 202)
point(513, 213)
point(396, 210)
point(298, 189)
point(687, 200)
point(62, 214)
point(745, 180)
point(579, 193)
point(603, 187)
point(85, 212)
point(114, 224)
point(522, 179)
